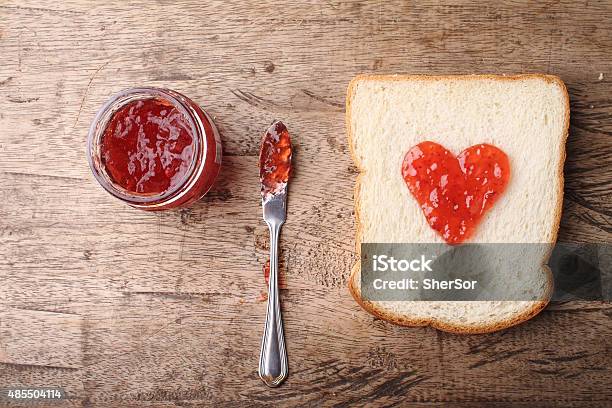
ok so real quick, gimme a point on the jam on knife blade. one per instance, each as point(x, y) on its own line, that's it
point(275, 159)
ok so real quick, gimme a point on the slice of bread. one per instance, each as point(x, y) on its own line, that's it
point(526, 116)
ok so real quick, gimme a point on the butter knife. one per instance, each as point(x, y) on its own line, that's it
point(274, 172)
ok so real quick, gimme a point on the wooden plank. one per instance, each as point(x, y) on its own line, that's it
point(40, 338)
point(166, 309)
point(138, 339)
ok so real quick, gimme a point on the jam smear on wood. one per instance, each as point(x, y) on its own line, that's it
point(282, 284)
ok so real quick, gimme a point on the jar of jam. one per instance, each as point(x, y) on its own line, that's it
point(154, 148)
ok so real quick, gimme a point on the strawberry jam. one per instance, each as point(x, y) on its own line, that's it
point(153, 148)
point(455, 192)
point(282, 284)
point(275, 159)
point(147, 146)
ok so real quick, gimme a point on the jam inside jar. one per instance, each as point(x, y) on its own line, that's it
point(154, 148)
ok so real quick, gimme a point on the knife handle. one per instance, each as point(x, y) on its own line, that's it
point(273, 358)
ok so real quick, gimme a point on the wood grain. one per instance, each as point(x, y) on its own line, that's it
point(133, 309)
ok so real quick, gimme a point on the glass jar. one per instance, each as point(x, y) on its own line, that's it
point(131, 153)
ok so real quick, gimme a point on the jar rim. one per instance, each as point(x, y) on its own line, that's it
point(100, 122)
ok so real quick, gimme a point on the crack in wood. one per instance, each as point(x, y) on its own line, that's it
point(87, 90)
point(577, 199)
point(504, 355)
point(23, 366)
point(176, 295)
point(322, 100)
point(253, 100)
point(35, 309)
point(42, 10)
point(18, 99)
point(6, 81)
point(23, 174)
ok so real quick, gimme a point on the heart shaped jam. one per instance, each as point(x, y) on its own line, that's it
point(455, 192)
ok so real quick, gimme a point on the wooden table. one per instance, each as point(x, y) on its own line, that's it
point(134, 309)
